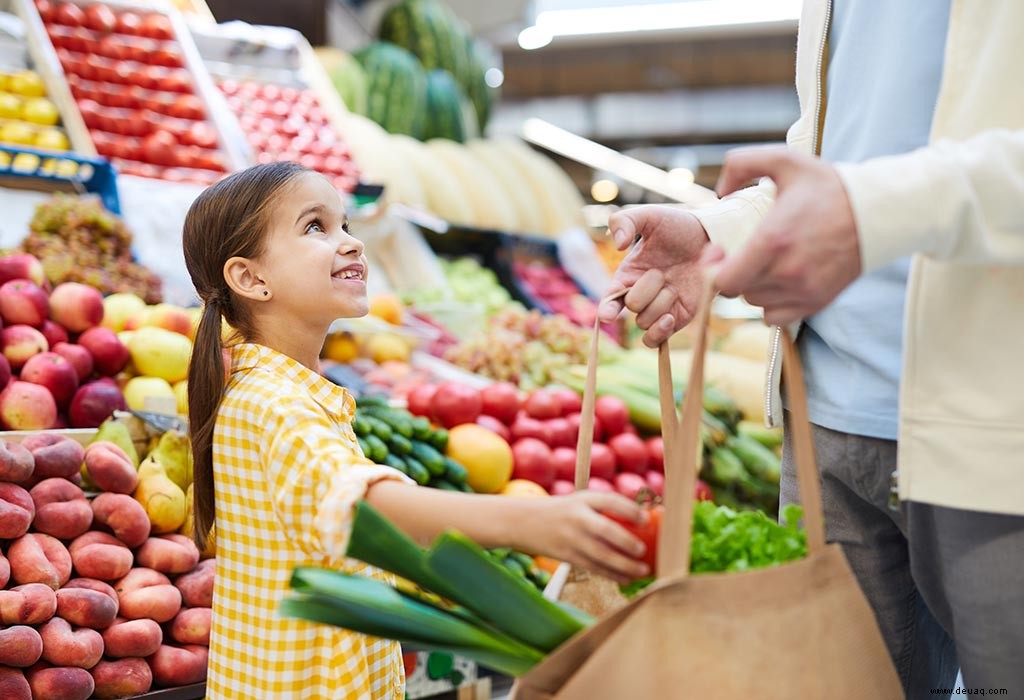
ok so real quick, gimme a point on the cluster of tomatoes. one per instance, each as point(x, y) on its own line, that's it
point(127, 74)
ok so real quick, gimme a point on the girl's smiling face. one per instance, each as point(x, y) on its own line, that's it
point(314, 269)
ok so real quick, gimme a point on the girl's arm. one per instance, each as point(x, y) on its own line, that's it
point(568, 528)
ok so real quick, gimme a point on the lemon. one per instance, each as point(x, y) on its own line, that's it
point(524, 488)
point(10, 106)
point(40, 110)
point(26, 83)
point(340, 347)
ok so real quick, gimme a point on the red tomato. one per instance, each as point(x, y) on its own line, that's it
point(630, 485)
point(630, 453)
point(656, 482)
point(338, 166)
point(90, 113)
point(656, 453)
point(500, 399)
point(531, 460)
point(562, 433)
point(574, 421)
point(166, 57)
point(454, 404)
point(175, 81)
point(646, 532)
point(308, 160)
point(187, 107)
point(562, 488)
point(596, 483)
point(100, 18)
point(525, 427)
point(702, 492)
point(495, 426)
point(542, 405)
point(564, 460)
point(202, 134)
point(570, 401)
point(69, 15)
point(613, 414)
point(157, 26)
point(159, 148)
point(46, 11)
point(419, 399)
point(129, 23)
point(602, 462)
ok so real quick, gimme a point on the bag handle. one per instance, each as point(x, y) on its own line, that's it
point(683, 447)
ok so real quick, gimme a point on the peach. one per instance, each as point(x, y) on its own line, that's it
point(39, 558)
point(61, 509)
point(16, 511)
point(192, 626)
point(20, 646)
point(110, 468)
point(197, 585)
point(86, 608)
point(99, 555)
point(75, 306)
point(20, 342)
point(16, 462)
point(27, 406)
point(93, 584)
point(53, 371)
point(55, 455)
point(94, 402)
point(125, 517)
point(53, 333)
point(148, 593)
point(170, 554)
point(31, 604)
point(126, 638)
point(174, 665)
point(169, 317)
point(109, 354)
point(22, 301)
point(122, 678)
point(13, 685)
point(5, 571)
point(67, 646)
point(79, 357)
point(22, 266)
point(66, 683)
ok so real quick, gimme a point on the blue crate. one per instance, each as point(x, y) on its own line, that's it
point(94, 175)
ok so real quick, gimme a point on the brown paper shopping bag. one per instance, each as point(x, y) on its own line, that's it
point(802, 630)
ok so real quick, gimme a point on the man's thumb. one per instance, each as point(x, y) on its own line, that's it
point(745, 164)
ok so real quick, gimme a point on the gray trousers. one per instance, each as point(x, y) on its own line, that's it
point(931, 574)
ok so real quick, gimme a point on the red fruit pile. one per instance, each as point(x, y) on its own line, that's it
point(286, 123)
point(129, 77)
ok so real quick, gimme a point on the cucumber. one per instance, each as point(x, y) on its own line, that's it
point(396, 462)
point(525, 560)
point(454, 472)
point(400, 421)
point(439, 440)
point(421, 429)
point(367, 401)
point(379, 428)
point(514, 566)
point(377, 450)
point(399, 445)
point(417, 471)
point(364, 448)
point(758, 459)
point(431, 458)
point(360, 426)
point(444, 485)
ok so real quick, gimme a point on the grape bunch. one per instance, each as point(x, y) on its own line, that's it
point(525, 348)
point(77, 240)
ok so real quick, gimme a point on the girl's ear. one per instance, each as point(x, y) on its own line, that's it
point(244, 280)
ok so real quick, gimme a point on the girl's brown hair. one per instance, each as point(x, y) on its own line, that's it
point(227, 220)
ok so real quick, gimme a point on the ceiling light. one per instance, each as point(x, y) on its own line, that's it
point(534, 38)
point(604, 191)
point(494, 77)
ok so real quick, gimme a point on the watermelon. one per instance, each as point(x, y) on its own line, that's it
point(448, 110)
point(347, 75)
point(431, 32)
point(480, 94)
point(397, 88)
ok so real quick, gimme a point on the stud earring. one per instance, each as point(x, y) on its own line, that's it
point(266, 293)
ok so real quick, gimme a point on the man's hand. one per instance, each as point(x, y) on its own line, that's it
point(662, 271)
point(806, 250)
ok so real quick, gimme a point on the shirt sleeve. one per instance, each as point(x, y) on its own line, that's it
point(732, 221)
point(315, 478)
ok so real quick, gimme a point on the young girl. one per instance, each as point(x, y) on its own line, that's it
point(269, 250)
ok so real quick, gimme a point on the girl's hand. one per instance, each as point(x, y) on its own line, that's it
point(571, 528)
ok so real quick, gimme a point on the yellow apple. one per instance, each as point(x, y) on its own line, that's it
point(118, 308)
point(149, 393)
point(40, 110)
point(26, 83)
point(181, 392)
point(157, 352)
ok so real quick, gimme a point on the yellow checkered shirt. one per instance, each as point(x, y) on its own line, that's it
point(287, 473)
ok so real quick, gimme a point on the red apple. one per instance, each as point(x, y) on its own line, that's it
point(562, 488)
point(24, 302)
point(542, 405)
point(53, 333)
point(79, 357)
point(419, 400)
point(531, 460)
point(18, 343)
point(454, 404)
point(564, 460)
point(5, 372)
point(500, 400)
point(613, 413)
point(571, 401)
point(602, 461)
point(109, 354)
point(525, 427)
point(563, 434)
point(76, 306)
point(27, 406)
point(22, 266)
point(94, 402)
point(495, 426)
point(631, 453)
point(52, 371)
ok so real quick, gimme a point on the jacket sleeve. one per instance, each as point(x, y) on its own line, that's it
point(732, 221)
point(952, 200)
point(315, 478)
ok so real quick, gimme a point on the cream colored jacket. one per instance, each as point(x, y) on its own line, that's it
point(957, 206)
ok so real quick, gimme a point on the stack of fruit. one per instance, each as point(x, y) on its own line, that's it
point(469, 282)
point(27, 117)
point(129, 75)
point(286, 123)
point(96, 602)
point(77, 240)
point(552, 286)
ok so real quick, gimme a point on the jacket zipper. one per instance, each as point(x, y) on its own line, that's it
point(773, 358)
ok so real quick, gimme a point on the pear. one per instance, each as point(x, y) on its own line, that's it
point(189, 525)
point(113, 430)
point(174, 453)
point(162, 499)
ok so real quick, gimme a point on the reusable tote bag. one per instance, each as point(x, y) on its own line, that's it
point(801, 630)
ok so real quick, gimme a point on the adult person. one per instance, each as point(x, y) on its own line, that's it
point(919, 124)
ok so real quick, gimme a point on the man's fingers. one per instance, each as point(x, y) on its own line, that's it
point(785, 315)
point(711, 255)
point(772, 297)
point(745, 164)
point(661, 331)
point(622, 228)
point(610, 309)
point(661, 305)
point(644, 290)
point(737, 273)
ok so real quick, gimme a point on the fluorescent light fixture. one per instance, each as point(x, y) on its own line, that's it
point(617, 19)
point(602, 158)
point(494, 77)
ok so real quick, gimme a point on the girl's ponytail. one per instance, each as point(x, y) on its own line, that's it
point(205, 389)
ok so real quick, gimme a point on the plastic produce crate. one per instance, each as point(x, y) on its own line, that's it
point(49, 171)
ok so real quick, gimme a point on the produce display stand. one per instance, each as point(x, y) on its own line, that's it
point(48, 171)
point(230, 144)
point(195, 691)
